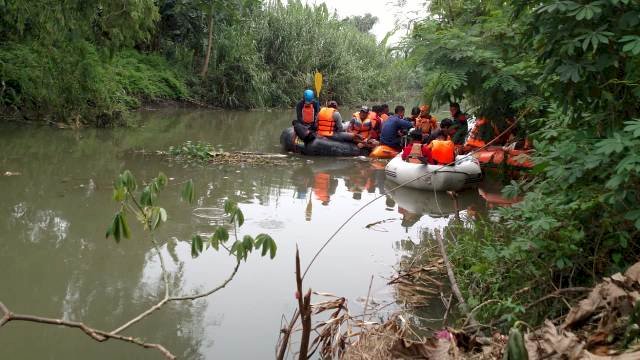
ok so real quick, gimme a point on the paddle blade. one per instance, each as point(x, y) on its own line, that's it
point(318, 83)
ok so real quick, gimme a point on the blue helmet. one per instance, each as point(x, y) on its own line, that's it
point(308, 95)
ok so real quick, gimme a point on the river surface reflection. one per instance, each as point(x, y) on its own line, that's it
point(56, 262)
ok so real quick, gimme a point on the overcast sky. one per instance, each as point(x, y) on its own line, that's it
point(389, 12)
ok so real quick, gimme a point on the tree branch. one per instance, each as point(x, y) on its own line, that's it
point(205, 294)
point(167, 298)
point(95, 334)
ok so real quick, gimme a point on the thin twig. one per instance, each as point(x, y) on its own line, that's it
point(95, 334)
point(366, 303)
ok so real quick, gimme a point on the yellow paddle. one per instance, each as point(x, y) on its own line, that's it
point(318, 83)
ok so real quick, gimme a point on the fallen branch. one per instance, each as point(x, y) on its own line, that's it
point(452, 280)
point(95, 334)
point(558, 293)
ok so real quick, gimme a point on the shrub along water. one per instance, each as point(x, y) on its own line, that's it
point(570, 70)
point(78, 60)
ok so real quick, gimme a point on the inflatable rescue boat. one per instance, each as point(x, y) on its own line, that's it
point(463, 174)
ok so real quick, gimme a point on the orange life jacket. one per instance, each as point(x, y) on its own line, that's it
point(326, 124)
point(442, 151)
point(426, 124)
point(308, 114)
point(415, 154)
point(475, 137)
point(365, 128)
point(321, 183)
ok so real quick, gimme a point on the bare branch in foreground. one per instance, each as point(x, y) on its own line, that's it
point(167, 298)
point(95, 334)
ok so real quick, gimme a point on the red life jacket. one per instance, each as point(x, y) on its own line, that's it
point(326, 124)
point(308, 114)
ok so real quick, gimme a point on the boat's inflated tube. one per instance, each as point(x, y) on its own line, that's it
point(320, 146)
point(465, 173)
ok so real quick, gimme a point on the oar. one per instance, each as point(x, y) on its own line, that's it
point(318, 83)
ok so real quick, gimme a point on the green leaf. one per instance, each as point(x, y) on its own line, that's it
point(126, 232)
point(215, 243)
point(239, 216)
point(119, 194)
point(272, 249)
point(229, 206)
point(247, 242)
point(634, 216)
point(633, 126)
point(188, 194)
point(221, 234)
point(196, 245)
point(162, 180)
point(129, 181)
point(146, 197)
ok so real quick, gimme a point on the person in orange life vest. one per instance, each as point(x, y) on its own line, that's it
point(459, 124)
point(425, 121)
point(307, 111)
point(443, 150)
point(483, 131)
point(329, 122)
point(385, 111)
point(363, 127)
point(415, 152)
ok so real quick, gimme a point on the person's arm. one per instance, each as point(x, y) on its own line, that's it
point(406, 124)
point(405, 152)
point(299, 112)
point(337, 119)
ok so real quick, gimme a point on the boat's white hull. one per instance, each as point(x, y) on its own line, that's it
point(465, 173)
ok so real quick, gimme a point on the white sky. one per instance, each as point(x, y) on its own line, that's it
point(389, 12)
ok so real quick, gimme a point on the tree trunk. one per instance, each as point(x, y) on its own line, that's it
point(207, 57)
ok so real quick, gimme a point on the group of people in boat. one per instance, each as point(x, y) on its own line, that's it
point(430, 142)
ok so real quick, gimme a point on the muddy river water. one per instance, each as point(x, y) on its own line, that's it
point(56, 262)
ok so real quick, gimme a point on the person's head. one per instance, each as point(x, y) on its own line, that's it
point(415, 135)
point(385, 108)
point(364, 112)
point(442, 135)
point(332, 104)
point(424, 110)
point(399, 110)
point(454, 108)
point(308, 96)
point(415, 111)
point(377, 109)
point(446, 123)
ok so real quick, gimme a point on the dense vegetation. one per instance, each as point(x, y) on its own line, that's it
point(77, 61)
point(570, 70)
